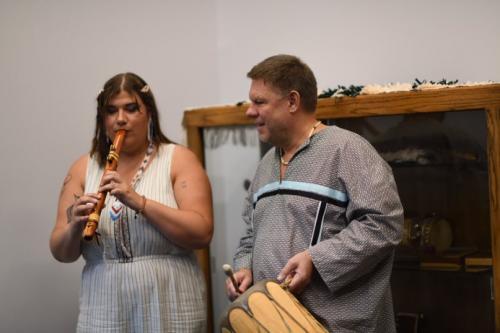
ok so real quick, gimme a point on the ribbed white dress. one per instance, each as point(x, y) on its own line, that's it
point(135, 279)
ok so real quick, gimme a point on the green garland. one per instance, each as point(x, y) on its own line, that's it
point(354, 91)
point(443, 82)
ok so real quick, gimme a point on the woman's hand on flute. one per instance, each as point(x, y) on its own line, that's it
point(123, 191)
point(73, 214)
point(79, 211)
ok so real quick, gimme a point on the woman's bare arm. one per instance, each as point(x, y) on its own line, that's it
point(191, 225)
point(72, 213)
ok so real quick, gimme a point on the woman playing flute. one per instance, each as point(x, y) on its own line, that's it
point(140, 273)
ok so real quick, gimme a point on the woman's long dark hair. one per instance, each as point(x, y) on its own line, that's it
point(135, 86)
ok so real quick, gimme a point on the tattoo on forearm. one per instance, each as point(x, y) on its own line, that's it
point(69, 213)
point(69, 210)
point(184, 184)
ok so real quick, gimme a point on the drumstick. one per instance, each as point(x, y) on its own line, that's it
point(229, 272)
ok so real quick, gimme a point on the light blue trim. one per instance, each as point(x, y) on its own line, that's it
point(300, 186)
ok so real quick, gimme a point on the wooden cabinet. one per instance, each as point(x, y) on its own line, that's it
point(457, 179)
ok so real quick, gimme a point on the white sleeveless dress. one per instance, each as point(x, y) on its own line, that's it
point(135, 279)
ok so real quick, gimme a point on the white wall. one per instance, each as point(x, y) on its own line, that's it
point(360, 42)
point(55, 56)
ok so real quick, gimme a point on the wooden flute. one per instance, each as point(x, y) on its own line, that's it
point(111, 165)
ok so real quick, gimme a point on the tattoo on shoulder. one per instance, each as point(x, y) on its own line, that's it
point(65, 182)
point(67, 179)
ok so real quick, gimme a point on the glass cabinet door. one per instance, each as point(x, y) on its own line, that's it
point(442, 277)
point(231, 157)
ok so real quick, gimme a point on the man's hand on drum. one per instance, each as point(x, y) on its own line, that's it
point(243, 278)
point(299, 269)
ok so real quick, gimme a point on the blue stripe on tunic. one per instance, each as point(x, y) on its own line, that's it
point(301, 188)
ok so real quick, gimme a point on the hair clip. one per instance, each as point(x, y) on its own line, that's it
point(145, 89)
point(100, 92)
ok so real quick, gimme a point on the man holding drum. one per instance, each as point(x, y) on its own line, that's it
point(323, 209)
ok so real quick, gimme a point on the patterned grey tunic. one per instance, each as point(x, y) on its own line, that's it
point(339, 199)
point(137, 280)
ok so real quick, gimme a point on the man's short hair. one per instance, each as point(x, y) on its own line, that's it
point(286, 73)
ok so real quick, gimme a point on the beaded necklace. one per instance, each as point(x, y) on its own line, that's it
point(286, 163)
point(117, 206)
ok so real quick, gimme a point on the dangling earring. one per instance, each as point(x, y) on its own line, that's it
point(150, 130)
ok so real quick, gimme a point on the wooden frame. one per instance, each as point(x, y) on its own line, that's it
point(485, 98)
